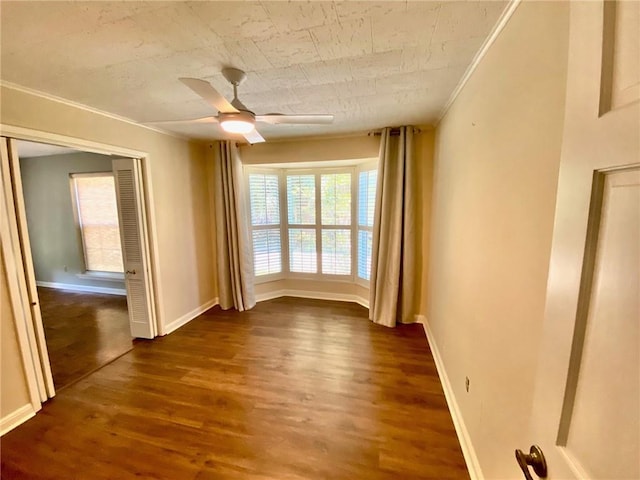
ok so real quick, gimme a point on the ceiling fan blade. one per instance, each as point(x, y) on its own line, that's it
point(310, 119)
point(210, 94)
point(185, 122)
point(253, 137)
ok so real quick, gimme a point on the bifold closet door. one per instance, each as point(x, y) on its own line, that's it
point(133, 234)
point(18, 233)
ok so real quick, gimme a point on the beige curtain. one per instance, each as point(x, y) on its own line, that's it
point(235, 265)
point(394, 231)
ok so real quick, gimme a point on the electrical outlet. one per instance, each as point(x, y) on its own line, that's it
point(466, 383)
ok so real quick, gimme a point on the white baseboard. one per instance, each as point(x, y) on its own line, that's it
point(470, 457)
point(176, 324)
point(82, 288)
point(339, 297)
point(18, 417)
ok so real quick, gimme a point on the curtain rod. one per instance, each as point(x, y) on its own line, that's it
point(394, 132)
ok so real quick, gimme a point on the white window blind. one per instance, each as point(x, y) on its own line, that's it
point(367, 181)
point(336, 252)
point(335, 205)
point(336, 198)
point(303, 257)
point(267, 251)
point(264, 195)
point(301, 199)
point(367, 197)
point(97, 217)
point(265, 199)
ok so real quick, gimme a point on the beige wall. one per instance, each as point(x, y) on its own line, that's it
point(13, 384)
point(495, 178)
point(178, 171)
point(311, 150)
point(338, 290)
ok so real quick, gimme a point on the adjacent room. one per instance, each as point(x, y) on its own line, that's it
point(324, 239)
point(72, 223)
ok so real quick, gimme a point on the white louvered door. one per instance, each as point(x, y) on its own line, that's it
point(131, 215)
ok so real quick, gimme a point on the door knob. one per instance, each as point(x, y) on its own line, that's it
point(535, 458)
point(130, 272)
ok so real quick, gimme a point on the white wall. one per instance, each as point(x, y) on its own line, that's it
point(495, 178)
point(55, 243)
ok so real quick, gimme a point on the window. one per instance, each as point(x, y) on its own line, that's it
point(319, 232)
point(336, 223)
point(366, 207)
point(301, 220)
point(265, 222)
point(94, 196)
point(319, 222)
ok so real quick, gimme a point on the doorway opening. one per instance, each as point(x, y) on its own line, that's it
point(79, 229)
point(71, 212)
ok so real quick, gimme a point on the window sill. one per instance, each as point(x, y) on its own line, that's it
point(103, 276)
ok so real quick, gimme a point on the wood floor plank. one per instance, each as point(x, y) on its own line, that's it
point(83, 331)
point(293, 389)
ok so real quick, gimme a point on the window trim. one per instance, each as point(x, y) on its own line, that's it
point(75, 205)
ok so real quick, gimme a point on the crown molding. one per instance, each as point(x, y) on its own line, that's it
point(86, 108)
point(497, 29)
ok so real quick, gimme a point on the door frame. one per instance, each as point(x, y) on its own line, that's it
point(17, 252)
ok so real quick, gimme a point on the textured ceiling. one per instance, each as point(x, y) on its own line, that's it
point(372, 64)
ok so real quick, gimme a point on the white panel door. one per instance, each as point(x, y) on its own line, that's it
point(133, 233)
point(586, 406)
point(600, 426)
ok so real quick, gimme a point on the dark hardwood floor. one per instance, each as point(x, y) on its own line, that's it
point(84, 331)
point(293, 389)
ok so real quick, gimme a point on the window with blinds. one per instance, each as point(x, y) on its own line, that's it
point(264, 195)
point(94, 196)
point(366, 207)
point(312, 222)
point(335, 194)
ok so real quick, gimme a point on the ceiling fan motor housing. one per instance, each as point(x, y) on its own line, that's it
point(241, 116)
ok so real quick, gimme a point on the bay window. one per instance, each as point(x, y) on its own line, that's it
point(312, 223)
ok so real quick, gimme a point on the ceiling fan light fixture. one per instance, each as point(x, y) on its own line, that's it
point(238, 122)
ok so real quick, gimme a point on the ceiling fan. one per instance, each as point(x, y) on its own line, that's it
point(234, 116)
